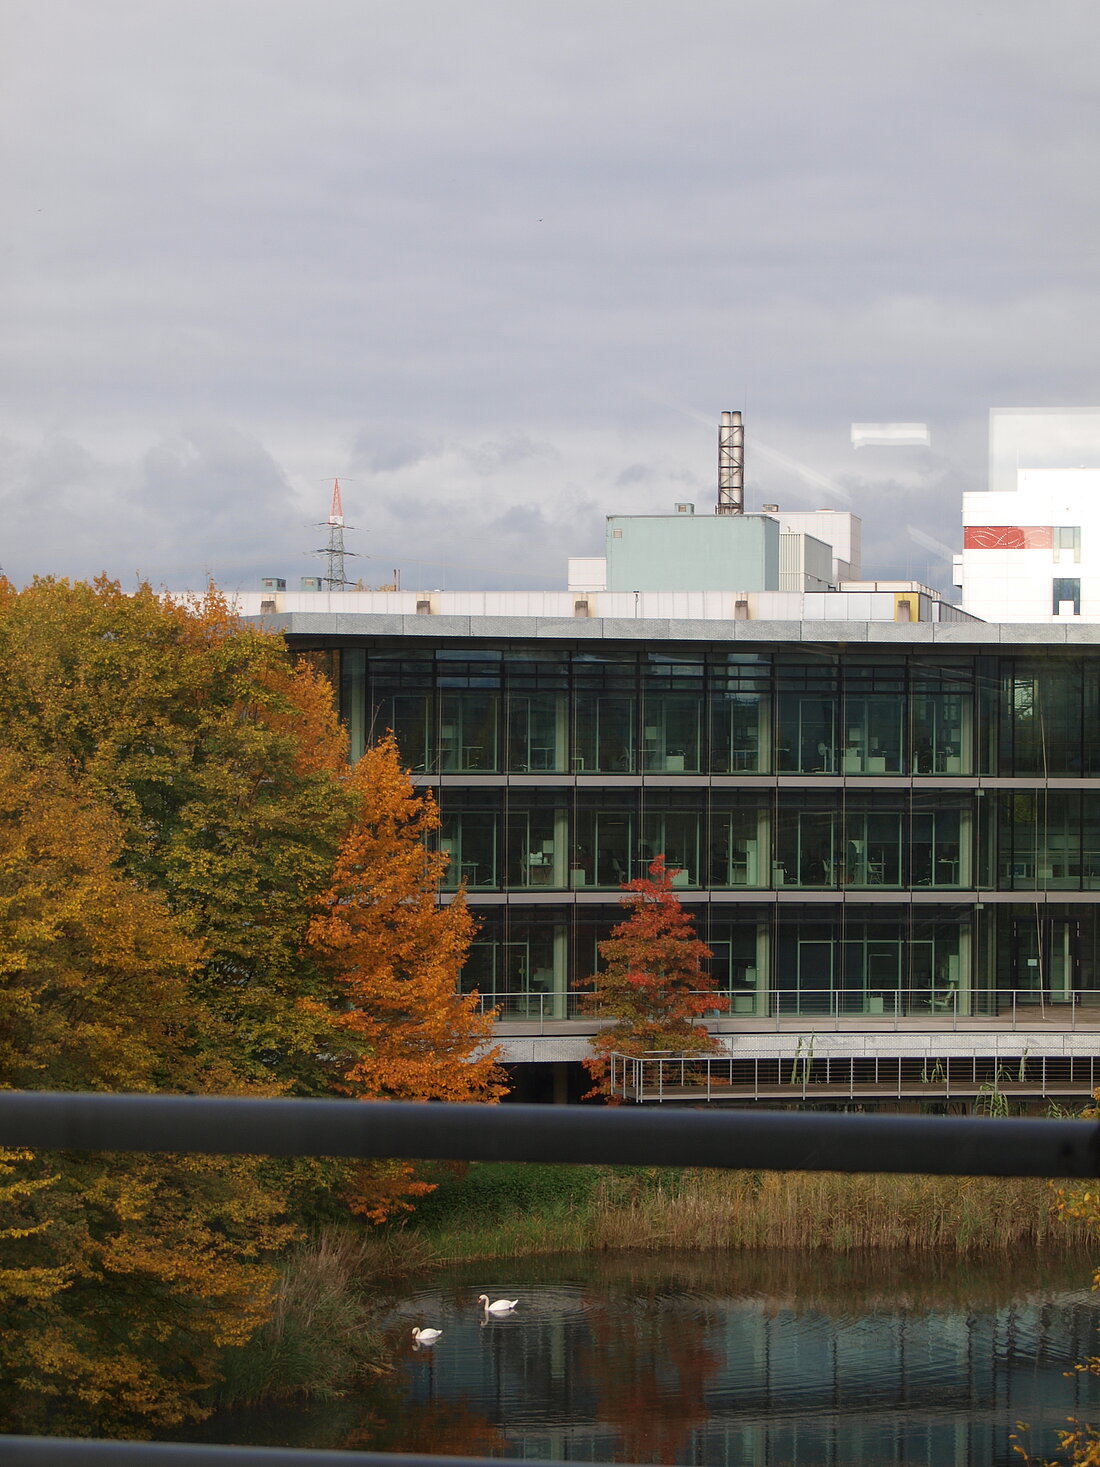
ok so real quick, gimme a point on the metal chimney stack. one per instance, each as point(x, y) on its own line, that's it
point(731, 464)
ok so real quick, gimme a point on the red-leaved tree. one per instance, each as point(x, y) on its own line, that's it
point(654, 987)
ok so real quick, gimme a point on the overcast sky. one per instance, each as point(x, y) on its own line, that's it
point(501, 265)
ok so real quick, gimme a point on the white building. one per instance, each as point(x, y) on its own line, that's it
point(1031, 542)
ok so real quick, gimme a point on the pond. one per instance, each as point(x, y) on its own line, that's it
point(724, 1359)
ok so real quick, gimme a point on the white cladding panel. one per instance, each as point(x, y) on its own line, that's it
point(587, 573)
point(856, 605)
point(1003, 584)
point(839, 529)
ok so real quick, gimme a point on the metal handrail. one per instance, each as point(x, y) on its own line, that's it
point(776, 1140)
point(746, 1073)
point(938, 1006)
point(39, 1451)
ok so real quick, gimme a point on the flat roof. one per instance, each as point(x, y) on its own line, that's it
point(324, 624)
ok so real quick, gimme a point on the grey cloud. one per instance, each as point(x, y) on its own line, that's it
point(438, 246)
point(524, 520)
point(409, 508)
point(206, 502)
point(385, 447)
point(504, 453)
point(634, 474)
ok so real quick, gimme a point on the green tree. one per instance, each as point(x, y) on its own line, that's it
point(654, 986)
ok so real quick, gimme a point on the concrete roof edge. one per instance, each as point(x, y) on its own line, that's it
point(982, 634)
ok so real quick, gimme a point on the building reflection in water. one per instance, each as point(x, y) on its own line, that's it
point(749, 1368)
point(724, 1359)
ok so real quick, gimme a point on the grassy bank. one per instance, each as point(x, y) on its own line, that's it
point(507, 1211)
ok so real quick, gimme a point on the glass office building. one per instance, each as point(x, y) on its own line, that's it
point(885, 818)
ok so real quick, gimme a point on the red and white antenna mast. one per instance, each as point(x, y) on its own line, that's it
point(334, 552)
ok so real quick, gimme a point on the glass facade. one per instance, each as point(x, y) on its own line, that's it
point(699, 712)
point(857, 830)
point(503, 838)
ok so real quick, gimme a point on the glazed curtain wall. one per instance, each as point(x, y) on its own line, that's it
point(516, 838)
point(697, 709)
point(884, 959)
point(505, 733)
point(489, 710)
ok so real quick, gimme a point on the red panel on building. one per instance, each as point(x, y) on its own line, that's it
point(1008, 537)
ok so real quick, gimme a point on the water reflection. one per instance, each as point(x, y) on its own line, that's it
point(762, 1359)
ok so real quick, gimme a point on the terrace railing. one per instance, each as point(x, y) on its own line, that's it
point(990, 1080)
point(901, 1007)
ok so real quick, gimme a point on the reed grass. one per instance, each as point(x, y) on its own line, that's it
point(322, 1334)
point(838, 1212)
point(694, 1209)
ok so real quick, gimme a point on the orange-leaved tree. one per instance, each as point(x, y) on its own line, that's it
point(654, 986)
point(395, 952)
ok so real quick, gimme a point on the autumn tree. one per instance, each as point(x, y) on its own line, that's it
point(122, 1278)
point(654, 986)
point(225, 764)
point(395, 953)
point(173, 800)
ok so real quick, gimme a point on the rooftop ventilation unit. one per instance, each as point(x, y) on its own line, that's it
point(685, 509)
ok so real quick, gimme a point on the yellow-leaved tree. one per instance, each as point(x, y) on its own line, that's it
point(395, 952)
point(122, 1277)
point(176, 809)
point(225, 764)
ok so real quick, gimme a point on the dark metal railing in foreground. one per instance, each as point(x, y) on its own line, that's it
point(45, 1451)
point(766, 1140)
point(760, 1140)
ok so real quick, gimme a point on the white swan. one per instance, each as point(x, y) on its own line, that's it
point(426, 1336)
point(498, 1306)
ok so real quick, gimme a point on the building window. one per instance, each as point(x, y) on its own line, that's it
point(1067, 595)
point(1067, 543)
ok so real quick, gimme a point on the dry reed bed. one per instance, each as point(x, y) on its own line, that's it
point(840, 1213)
point(323, 1332)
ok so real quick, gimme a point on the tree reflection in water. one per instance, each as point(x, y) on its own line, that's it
point(451, 1426)
point(649, 1373)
